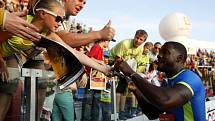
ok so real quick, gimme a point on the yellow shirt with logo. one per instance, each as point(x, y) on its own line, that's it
point(142, 61)
point(16, 44)
point(126, 50)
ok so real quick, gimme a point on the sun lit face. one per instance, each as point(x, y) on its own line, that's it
point(167, 58)
point(147, 49)
point(53, 19)
point(157, 48)
point(139, 40)
point(73, 7)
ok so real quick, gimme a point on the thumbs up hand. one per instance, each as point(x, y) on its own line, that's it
point(107, 33)
point(108, 24)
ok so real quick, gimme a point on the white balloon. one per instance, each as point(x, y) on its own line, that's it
point(175, 27)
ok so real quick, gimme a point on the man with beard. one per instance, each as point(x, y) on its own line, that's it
point(154, 52)
point(184, 96)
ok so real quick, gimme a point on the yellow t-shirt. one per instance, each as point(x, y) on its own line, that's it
point(142, 61)
point(57, 61)
point(17, 44)
point(125, 50)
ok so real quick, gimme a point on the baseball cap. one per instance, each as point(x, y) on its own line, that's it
point(106, 54)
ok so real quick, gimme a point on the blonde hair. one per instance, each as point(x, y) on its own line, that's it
point(148, 44)
point(47, 4)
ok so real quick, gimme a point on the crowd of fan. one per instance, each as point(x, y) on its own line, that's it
point(13, 6)
point(146, 66)
point(203, 63)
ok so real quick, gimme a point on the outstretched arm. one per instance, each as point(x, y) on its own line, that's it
point(76, 40)
point(18, 26)
point(162, 98)
point(84, 59)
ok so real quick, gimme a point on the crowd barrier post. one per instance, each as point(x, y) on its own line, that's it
point(114, 115)
point(33, 74)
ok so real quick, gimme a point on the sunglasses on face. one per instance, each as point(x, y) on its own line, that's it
point(157, 48)
point(57, 18)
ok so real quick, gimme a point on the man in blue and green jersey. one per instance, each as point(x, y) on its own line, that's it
point(183, 99)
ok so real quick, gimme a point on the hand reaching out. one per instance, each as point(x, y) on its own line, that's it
point(124, 68)
point(20, 27)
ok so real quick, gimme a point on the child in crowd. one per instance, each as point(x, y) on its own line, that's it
point(96, 99)
point(152, 74)
point(47, 18)
point(143, 59)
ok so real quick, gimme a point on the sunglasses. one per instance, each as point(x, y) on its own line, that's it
point(58, 18)
point(157, 48)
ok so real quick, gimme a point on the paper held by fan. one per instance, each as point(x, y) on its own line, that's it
point(97, 80)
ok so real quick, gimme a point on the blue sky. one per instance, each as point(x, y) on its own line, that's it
point(129, 15)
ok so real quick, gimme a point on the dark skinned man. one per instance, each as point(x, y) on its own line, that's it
point(183, 98)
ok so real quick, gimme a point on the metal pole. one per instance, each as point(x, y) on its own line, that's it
point(33, 99)
point(114, 116)
point(33, 74)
